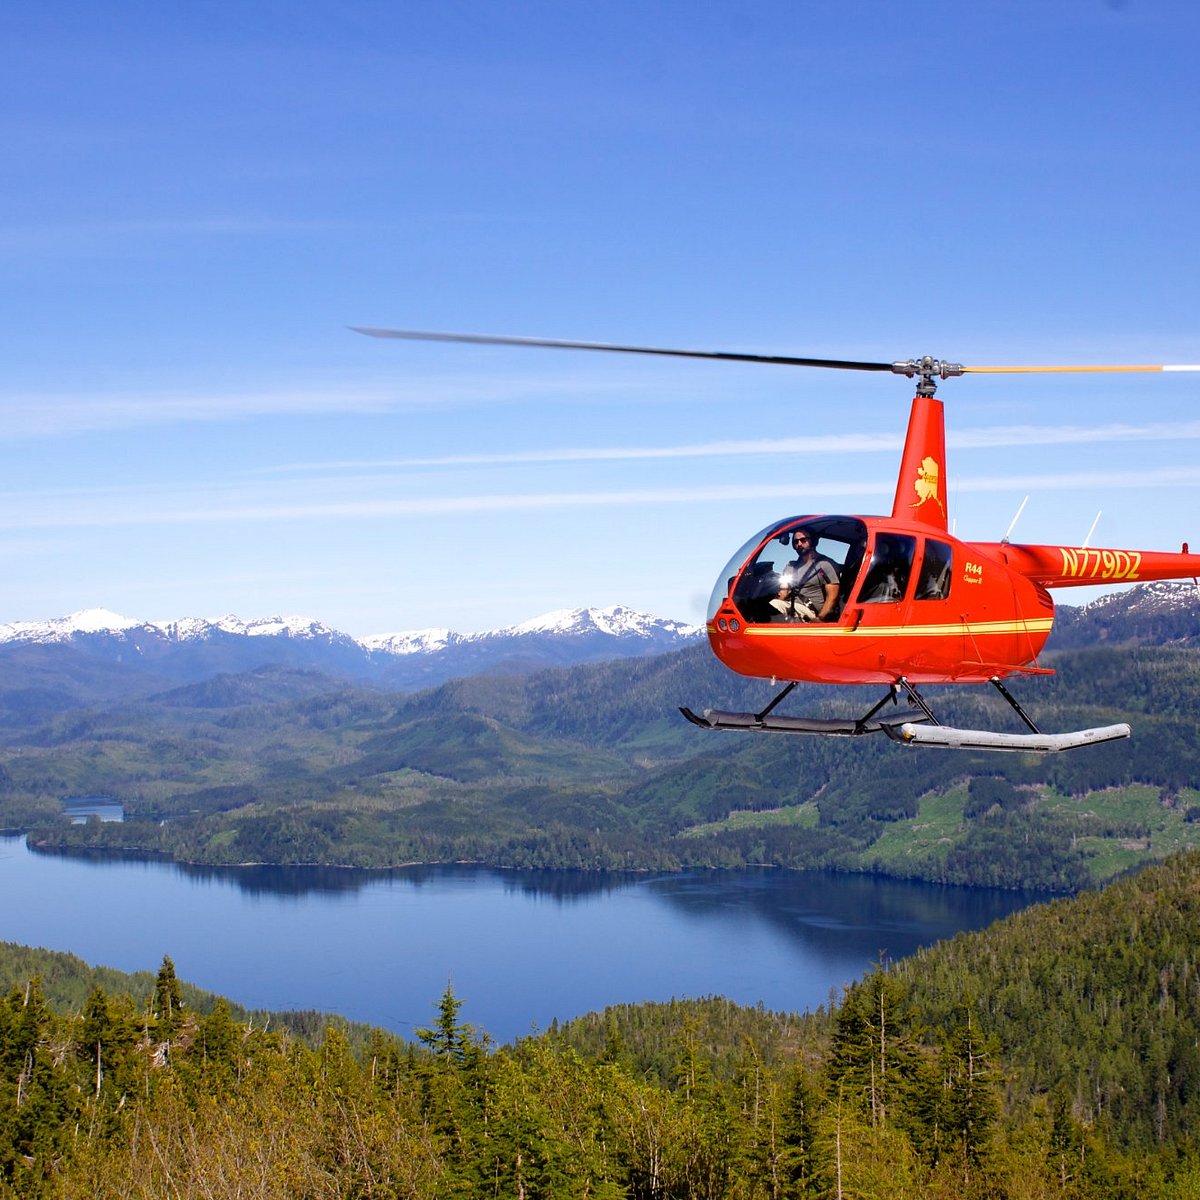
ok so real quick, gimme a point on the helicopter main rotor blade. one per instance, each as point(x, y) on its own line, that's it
point(927, 368)
point(1078, 369)
point(484, 339)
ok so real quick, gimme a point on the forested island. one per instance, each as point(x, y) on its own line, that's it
point(1054, 1054)
point(592, 768)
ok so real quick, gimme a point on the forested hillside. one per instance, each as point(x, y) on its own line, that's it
point(1053, 1055)
point(65, 981)
point(592, 767)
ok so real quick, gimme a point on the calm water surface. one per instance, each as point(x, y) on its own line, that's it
point(521, 947)
point(80, 808)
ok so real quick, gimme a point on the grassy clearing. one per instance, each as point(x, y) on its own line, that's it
point(1154, 830)
point(1107, 857)
point(925, 838)
point(1136, 803)
point(805, 816)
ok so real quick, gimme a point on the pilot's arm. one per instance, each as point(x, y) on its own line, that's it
point(831, 595)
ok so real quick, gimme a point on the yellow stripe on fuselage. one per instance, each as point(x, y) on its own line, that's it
point(973, 628)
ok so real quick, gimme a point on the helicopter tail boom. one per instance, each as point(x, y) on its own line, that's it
point(1085, 566)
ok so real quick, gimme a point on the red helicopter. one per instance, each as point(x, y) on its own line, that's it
point(892, 600)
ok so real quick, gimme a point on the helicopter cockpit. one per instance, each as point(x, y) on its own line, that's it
point(759, 570)
point(759, 573)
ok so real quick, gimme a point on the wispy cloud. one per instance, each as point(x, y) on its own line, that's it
point(58, 416)
point(71, 237)
point(1060, 435)
point(850, 443)
point(31, 415)
point(1086, 481)
point(841, 444)
point(107, 508)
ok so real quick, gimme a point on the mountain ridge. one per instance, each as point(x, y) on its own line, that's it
point(590, 766)
point(1162, 613)
point(617, 620)
point(148, 656)
point(98, 657)
point(1145, 601)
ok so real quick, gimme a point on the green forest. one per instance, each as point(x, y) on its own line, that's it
point(593, 768)
point(1055, 1054)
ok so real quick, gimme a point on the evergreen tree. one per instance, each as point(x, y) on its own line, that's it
point(691, 1074)
point(449, 1039)
point(970, 1103)
point(615, 1049)
point(873, 1058)
point(36, 1096)
point(97, 1035)
point(217, 1036)
point(168, 1001)
point(799, 1162)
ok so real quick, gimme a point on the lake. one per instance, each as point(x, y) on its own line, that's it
point(80, 808)
point(520, 947)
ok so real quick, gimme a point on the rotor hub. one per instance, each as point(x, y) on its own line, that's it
point(927, 371)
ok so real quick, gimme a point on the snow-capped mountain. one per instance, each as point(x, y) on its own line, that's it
point(422, 641)
point(62, 629)
point(1164, 612)
point(622, 624)
point(192, 649)
point(96, 656)
point(1148, 599)
point(616, 622)
point(103, 621)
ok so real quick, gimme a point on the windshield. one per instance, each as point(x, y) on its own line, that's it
point(765, 570)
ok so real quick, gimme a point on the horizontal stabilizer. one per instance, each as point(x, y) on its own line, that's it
point(911, 734)
point(715, 718)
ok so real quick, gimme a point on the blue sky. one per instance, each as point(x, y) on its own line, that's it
point(200, 199)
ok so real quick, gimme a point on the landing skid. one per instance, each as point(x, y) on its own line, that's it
point(911, 727)
point(1015, 743)
point(767, 722)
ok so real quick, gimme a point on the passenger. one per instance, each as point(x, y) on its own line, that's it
point(808, 587)
point(891, 565)
point(884, 586)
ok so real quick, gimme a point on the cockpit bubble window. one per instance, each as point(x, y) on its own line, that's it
point(891, 564)
point(753, 576)
point(933, 581)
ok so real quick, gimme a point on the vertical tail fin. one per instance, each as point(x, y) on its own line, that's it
point(921, 486)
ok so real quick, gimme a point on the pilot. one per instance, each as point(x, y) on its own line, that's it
point(808, 587)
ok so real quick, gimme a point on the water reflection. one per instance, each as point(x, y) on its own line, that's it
point(565, 886)
point(830, 911)
point(284, 882)
point(104, 808)
point(257, 879)
point(305, 881)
